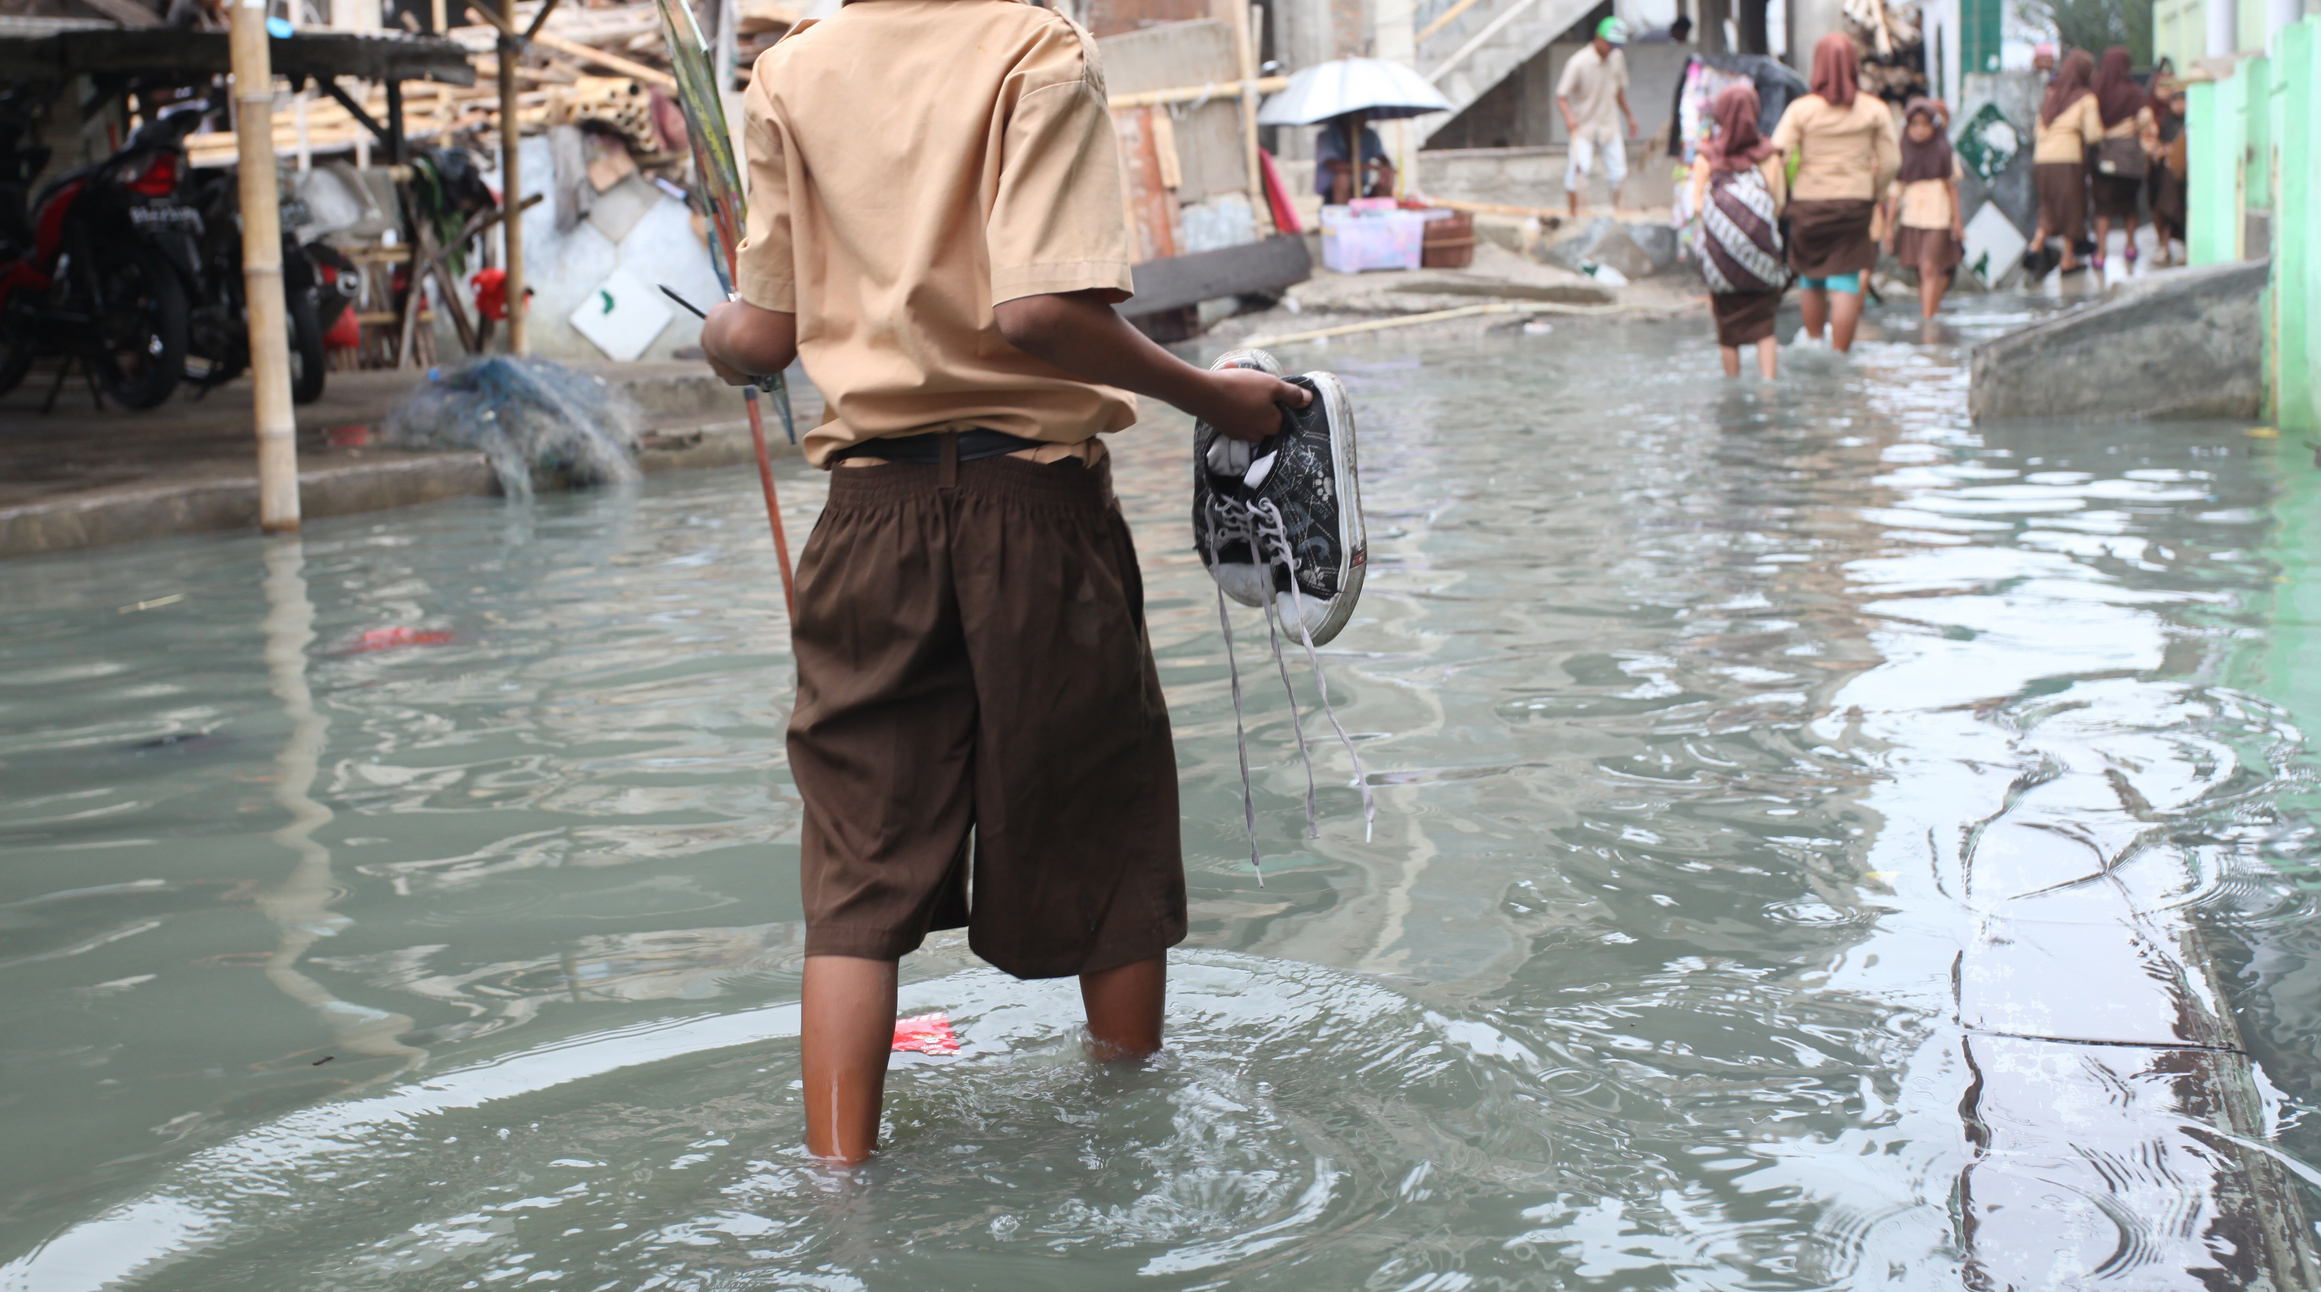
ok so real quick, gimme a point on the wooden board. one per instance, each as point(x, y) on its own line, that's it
point(1228, 271)
point(1209, 148)
point(1150, 207)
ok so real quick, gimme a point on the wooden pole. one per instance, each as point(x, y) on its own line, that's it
point(269, 324)
point(1245, 51)
point(512, 179)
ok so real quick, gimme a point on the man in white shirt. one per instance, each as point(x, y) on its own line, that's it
point(1592, 94)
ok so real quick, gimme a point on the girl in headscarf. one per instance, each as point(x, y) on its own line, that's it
point(1737, 186)
point(2131, 137)
point(1847, 152)
point(2070, 123)
point(1924, 229)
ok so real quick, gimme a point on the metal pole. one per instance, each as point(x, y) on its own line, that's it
point(511, 180)
point(262, 269)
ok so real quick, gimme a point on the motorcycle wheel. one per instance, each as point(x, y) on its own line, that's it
point(308, 363)
point(140, 346)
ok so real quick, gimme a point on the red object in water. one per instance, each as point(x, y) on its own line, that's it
point(391, 638)
point(927, 1034)
point(491, 292)
point(349, 437)
point(1285, 212)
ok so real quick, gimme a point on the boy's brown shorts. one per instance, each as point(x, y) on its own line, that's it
point(972, 659)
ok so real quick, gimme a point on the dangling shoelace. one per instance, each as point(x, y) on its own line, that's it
point(1260, 526)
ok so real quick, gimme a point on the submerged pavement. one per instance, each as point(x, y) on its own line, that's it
point(1822, 843)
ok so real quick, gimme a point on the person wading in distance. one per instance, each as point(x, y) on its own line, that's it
point(1847, 152)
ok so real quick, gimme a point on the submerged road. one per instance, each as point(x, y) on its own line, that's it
point(1821, 844)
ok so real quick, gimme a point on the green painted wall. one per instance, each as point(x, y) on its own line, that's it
point(2295, 294)
point(2256, 146)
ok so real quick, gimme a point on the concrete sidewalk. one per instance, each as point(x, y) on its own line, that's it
point(84, 477)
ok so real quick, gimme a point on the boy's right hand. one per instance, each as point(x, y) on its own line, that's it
point(1245, 403)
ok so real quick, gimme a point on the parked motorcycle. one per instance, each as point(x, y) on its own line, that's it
point(218, 339)
point(94, 282)
point(134, 267)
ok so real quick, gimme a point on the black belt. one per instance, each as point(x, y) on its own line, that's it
point(976, 442)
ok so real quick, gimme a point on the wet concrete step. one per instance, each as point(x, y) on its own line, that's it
point(82, 477)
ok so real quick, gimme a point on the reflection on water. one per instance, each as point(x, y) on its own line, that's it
point(1820, 844)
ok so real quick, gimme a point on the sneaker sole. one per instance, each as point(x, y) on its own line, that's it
point(1353, 535)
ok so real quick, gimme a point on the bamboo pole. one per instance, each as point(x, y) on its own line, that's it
point(511, 179)
point(277, 425)
point(1195, 93)
point(1245, 50)
point(602, 58)
point(1431, 316)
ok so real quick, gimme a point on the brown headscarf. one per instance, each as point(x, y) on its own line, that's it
point(1737, 144)
point(1836, 66)
point(2117, 96)
point(2069, 86)
point(1929, 160)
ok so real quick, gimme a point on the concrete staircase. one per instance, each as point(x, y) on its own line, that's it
point(1484, 43)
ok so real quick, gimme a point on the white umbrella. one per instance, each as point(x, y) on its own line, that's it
point(1376, 86)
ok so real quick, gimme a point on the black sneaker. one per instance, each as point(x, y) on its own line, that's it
point(1278, 523)
point(1285, 514)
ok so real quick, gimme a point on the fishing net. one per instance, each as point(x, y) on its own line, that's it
point(530, 418)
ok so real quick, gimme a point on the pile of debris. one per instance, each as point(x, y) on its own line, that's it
point(1893, 43)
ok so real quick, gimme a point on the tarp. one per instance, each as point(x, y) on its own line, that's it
point(1778, 85)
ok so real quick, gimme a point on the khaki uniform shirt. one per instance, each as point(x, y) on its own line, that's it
point(913, 163)
point(1925, 203)
point(1593, 86)
point(1844, 154)
point(2073, 131)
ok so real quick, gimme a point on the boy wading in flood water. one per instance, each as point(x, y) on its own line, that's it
point(936, 229)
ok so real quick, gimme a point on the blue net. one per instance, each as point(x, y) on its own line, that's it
point(532, 419)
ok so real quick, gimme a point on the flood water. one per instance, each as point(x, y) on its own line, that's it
point(1819, 844)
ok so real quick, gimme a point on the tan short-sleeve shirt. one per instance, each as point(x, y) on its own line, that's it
point(1592, 86)
point(913, 163)
point(1845, 154)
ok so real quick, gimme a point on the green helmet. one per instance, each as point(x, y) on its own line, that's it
point(1612, 31)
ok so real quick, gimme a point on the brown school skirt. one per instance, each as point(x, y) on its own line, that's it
point(2062, 190)
point(1744, 318)
point(972, 661)
point(2116, 197)
point(1831, 237)
point(1927, 250)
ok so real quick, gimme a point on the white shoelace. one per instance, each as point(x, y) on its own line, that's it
point(1261, 527)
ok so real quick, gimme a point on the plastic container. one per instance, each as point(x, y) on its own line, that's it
point(1355, 243)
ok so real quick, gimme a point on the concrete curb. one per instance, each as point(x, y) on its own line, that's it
point(2180, 343)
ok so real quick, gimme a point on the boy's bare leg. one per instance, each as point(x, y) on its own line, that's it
point(1732, 357)
point(846, 1033)
point(1768, 358)
point(1124, 1008)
